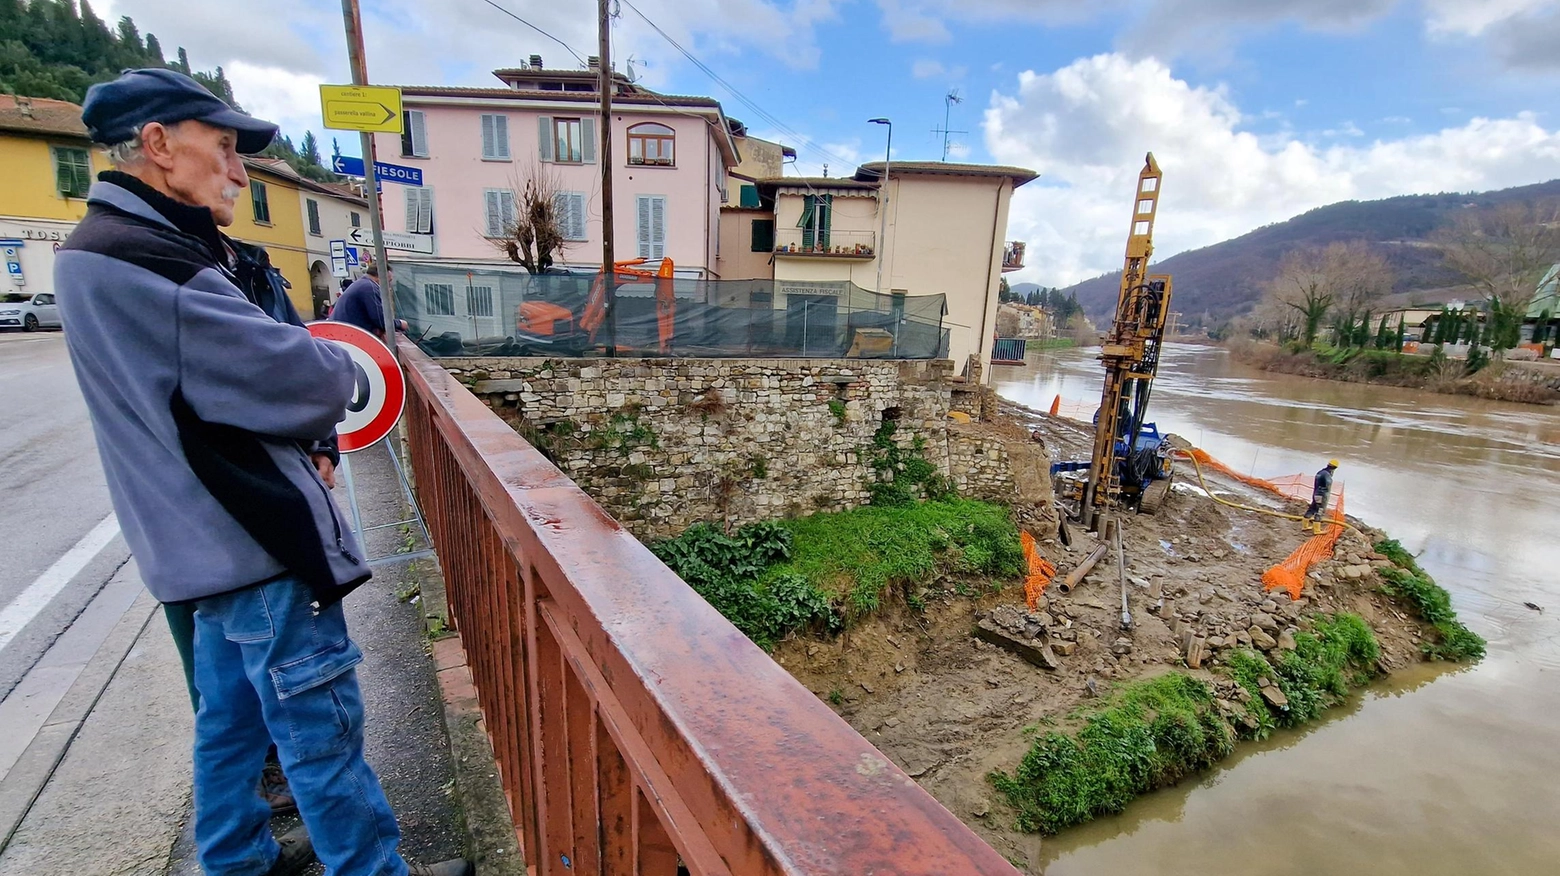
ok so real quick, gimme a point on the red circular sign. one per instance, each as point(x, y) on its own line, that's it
point(381, 387)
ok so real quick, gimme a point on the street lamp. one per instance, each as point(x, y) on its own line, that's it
point(882, 247)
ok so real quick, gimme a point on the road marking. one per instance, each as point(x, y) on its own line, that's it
point(42, 591)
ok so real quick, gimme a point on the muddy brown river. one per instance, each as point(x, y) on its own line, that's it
point(1431, 772)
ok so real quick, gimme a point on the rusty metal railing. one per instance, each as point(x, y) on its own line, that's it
point(636, 729)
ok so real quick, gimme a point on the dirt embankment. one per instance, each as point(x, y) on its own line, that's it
point(949, 708)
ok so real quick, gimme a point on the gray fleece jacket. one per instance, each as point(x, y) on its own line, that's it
point(203, 405)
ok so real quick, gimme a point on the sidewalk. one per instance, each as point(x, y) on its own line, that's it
point(118, 803)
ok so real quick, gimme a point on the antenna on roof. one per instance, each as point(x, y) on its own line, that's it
point(949, 99)
point(632, 77)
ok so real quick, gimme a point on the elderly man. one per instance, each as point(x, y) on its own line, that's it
point(210, 415)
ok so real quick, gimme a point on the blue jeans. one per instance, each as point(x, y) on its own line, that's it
point(269, 669)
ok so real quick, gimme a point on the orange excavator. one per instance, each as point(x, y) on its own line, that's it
point(665, 300)
point(544, 327)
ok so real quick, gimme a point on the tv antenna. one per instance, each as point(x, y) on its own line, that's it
point(630, 64)
point(949, 99)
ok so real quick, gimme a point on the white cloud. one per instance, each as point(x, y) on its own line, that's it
point(1396, 120)
point(1086, 127)
point(1471, 17)
point(926, 68)
point(289, 99)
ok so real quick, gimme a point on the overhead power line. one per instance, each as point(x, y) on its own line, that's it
point(539, 30)
point(759, 111)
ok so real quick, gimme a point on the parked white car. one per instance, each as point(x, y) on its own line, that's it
point(29, 312)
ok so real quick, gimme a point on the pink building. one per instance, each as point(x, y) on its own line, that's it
point(477, 147)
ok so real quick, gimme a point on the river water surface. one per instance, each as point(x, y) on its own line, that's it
point(1436, 771)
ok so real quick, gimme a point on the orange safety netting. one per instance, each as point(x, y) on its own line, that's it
point(1290, 574)
point(1040, 571)
point(1083, 412)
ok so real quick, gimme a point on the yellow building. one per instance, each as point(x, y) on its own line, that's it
point(47, 163)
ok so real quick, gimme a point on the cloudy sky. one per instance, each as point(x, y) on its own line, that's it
point(1256, 109)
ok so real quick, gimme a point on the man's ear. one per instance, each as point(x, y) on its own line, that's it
point(157, 144)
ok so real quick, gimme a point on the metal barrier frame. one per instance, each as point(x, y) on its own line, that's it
point(634, 727)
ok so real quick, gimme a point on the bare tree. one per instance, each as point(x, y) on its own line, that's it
point(1345, 278)
point(533, 233)
point(1503, 253)
point(1362, 278)
point(1303, 285)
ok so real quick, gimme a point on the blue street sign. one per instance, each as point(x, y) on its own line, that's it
point(406, 176)
point(347, 165)
point(396, 173)
point(352, 257)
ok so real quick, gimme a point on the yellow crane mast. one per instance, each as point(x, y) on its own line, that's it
point(1130, 354)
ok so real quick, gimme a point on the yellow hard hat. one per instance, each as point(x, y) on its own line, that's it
point(1332, 463)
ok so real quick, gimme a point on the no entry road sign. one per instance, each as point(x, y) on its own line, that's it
point(381, 387)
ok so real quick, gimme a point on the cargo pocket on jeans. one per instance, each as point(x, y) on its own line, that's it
point(320, 718)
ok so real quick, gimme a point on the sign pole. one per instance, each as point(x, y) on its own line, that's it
point(349, 12)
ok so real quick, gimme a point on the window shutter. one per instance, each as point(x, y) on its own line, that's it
point(644, 227)
point(578, 200)
point(489, 148)
point(544, 135)
point(506, 210)
point(407, 147)
point(491, 205)
point(418, 134)
point(588, 141)
point(763, 235)
point(749, 196)
point(63, 176)
point(501, 136)
point(413, 202)
point(658, 228)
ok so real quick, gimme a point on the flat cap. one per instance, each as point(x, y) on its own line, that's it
point(116, 111)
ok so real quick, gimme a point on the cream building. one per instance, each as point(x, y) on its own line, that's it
point(945, 234)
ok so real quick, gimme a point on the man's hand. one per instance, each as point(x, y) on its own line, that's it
point(326, 468)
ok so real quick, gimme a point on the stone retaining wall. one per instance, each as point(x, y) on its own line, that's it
point(665, 443)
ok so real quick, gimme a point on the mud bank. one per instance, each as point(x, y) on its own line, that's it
point(953, 710)
point(1499, 381)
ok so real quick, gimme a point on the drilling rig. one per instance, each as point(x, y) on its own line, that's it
point(1130, 465)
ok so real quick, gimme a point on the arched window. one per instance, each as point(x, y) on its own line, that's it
point(651, 143)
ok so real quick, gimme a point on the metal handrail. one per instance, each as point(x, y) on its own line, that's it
point(635, 728)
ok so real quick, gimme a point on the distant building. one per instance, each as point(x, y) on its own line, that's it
point(477, 148)
point(945, 234)
point(49, 164)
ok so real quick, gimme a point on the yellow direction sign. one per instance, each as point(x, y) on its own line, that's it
point(361, 108)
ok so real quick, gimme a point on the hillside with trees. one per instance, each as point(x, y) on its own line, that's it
point(57, 49)
point(1215, 284)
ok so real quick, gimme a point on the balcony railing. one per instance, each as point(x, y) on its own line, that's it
point(636, 730)
point(1013, 255)
point(806, 243)
point(1008, 351)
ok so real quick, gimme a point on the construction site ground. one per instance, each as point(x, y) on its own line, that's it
point(949, 707)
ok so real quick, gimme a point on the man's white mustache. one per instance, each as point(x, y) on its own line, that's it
point(230, 193)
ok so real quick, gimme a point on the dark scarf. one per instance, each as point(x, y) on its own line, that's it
point(194, 221)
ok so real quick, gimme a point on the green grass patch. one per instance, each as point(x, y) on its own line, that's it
point(1411, 584)
point(1150, 734)
point(1154, 732)
point(854, 557)
point(725, 570)
point(1338, 653)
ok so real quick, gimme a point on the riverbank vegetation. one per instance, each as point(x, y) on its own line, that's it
point(1149, 734)
point(825, 571)
point(1477, 376)
point(1411, 584)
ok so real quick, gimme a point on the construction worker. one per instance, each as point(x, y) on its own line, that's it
point(1321, 488)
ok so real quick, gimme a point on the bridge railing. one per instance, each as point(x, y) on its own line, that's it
point(635, 729)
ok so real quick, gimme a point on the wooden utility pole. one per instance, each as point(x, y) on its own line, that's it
point(608, 257)
point(354, 22)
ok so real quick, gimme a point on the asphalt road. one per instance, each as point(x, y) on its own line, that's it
point(53, 499)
